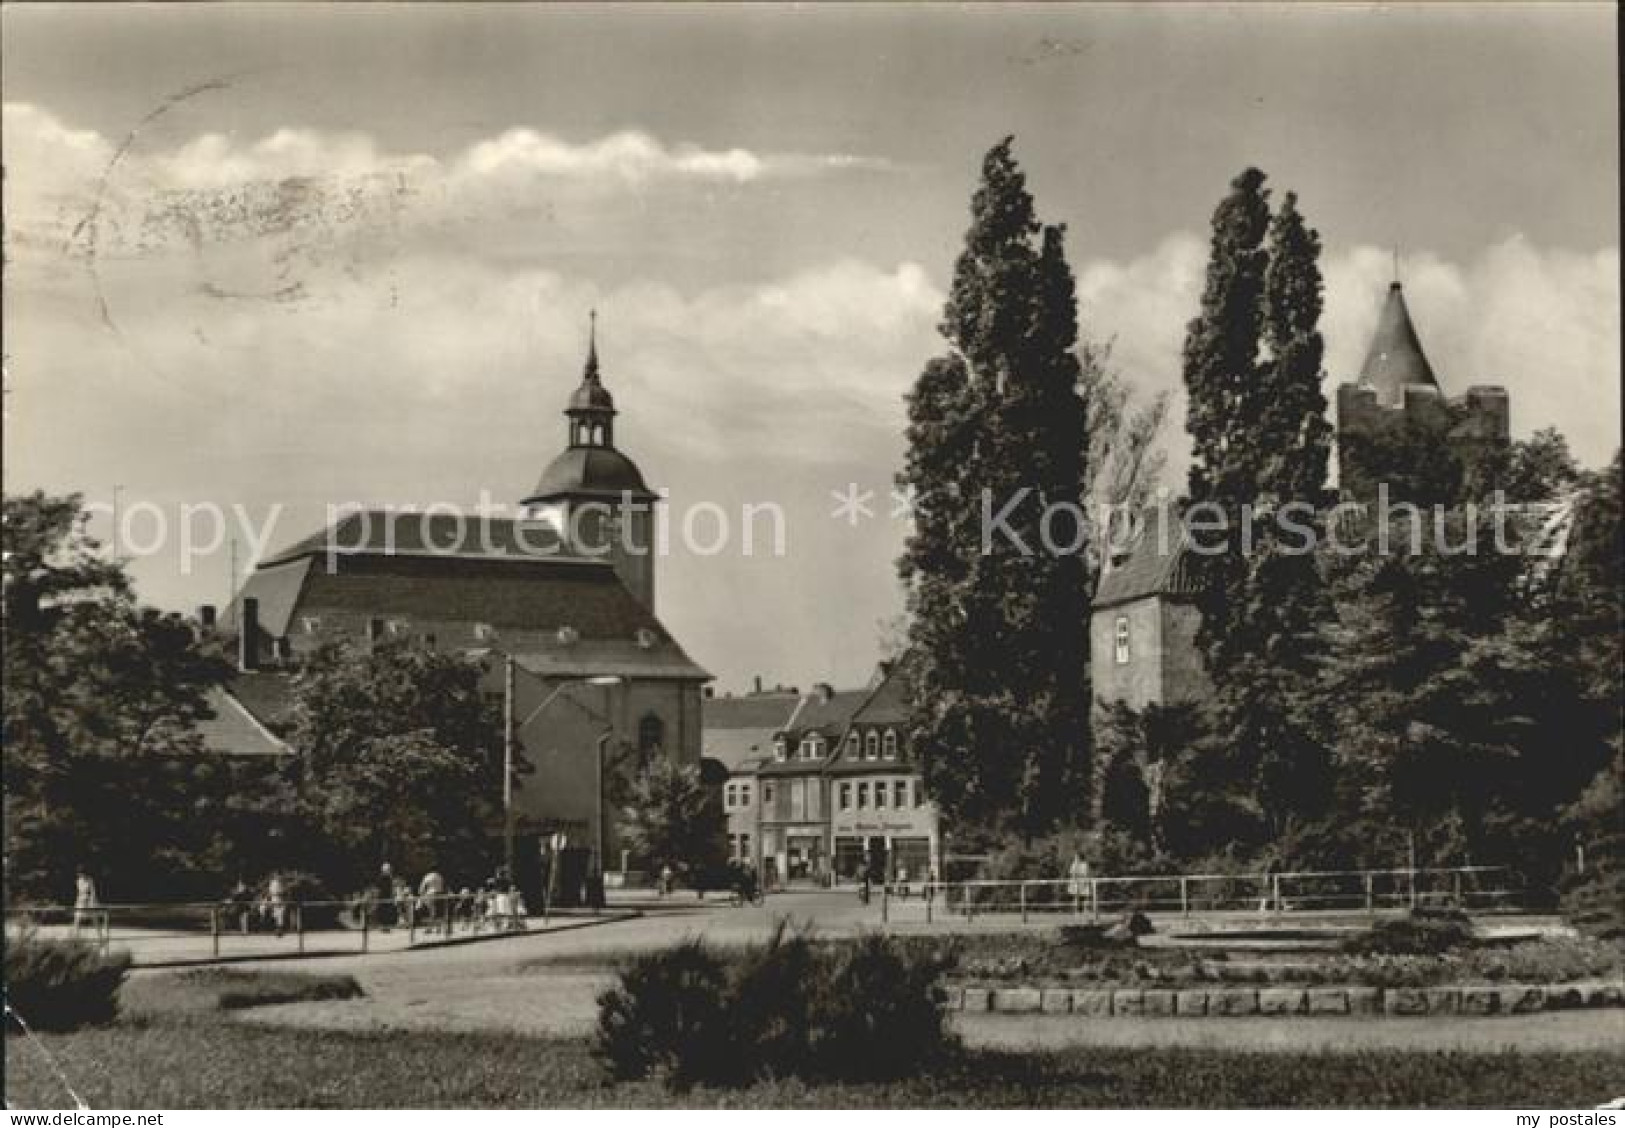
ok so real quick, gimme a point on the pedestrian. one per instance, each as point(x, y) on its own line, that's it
point(665, 879)
point(431, 892)
point(85, 901)
point(382, 897)
point(240, 904)
point(1077, 881)
point(276, 903)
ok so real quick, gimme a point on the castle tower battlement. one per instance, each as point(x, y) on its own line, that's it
point(1397, 410)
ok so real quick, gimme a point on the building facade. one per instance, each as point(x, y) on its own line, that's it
point(836, 795)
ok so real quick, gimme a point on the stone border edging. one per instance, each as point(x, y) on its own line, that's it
point(1235, 1002)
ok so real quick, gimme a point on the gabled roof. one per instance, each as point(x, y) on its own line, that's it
point(1157, 562)
point(1395, 357)
point(770, 711)
point(735, 730)
point(827, 716)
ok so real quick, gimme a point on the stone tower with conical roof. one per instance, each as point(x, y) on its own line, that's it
point(1397, 406)
point(596, 493)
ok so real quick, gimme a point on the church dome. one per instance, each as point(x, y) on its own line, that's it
point(588, 470)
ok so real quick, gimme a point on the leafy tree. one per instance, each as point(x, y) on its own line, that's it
point(1541, 467)
point(673, 818)
point(103, 767)
point(1589, 613)
point(1124, 459)
point(400, 760)
point(1140, 753)
point(997, 567)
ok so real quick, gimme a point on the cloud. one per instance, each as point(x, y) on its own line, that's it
point(139, 196)
point(635, 158)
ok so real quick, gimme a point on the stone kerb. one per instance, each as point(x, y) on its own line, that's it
point(1475, 999)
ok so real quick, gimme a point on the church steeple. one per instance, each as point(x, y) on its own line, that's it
point(592, 409)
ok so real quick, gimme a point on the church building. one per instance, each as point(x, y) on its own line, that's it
point(557, 603)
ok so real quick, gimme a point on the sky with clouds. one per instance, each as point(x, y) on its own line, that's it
point(281, 257)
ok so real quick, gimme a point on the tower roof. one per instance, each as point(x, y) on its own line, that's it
point(1395, 357)
point(592, 395)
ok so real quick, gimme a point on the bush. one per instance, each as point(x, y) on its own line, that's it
point(668, 1017)
point(877, 1011)
point(1425, 932)
point(61, 984)
point(866, 1010)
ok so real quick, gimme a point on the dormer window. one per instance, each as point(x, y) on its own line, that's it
point(310, 624)
point(396, 627)
point(853, 744)
point(888, 744)
point(484, 632)
point(871, 745)
point(647, 638)
point(781, 750)
point(567, 635)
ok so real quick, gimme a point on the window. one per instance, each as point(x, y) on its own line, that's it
point(651, 734)
point(871, 745)
point(889, 744)
point(310, 623)
point(730, 797)
point(919, 793)
point(767, 793)
point(744, 795)
point(744, 847)
point(852, 743)
point(781, 750)
point(1122, 640)
point(483, 631)
point(846, 796)
point(899, 794)
point(863, 796)
point(880, 795)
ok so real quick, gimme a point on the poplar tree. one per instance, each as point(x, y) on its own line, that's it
point(999, 609)
point(1261, 442)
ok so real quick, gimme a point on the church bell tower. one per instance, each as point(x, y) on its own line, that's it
point(594, 491)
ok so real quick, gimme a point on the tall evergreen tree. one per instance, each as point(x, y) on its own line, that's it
point(1258, 421)
point(1221, 369)
point(997, 565)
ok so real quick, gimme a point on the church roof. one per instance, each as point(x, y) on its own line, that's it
point(1395, 357)
point(590, 471)
point(558, 610)
point(397, 533)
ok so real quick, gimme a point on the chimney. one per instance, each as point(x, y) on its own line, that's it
point(205, 616)
point(757, 684)
point(248, 637)
point(709, 692)
point(824, 691)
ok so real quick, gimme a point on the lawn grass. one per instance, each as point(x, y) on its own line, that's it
point(205, 1059)
point(206, 989)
